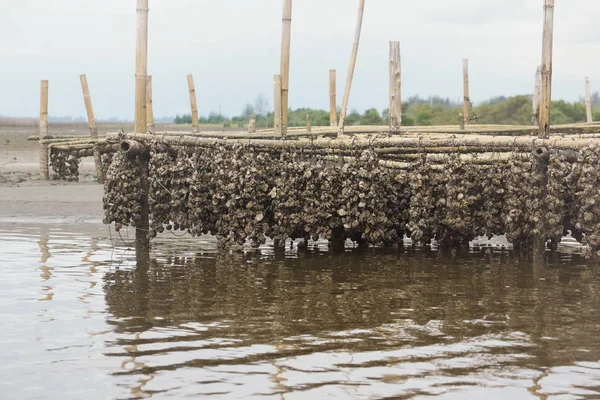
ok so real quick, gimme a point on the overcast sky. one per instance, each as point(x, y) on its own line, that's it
point(232, 48)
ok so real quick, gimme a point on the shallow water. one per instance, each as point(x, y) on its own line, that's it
point(81, 321)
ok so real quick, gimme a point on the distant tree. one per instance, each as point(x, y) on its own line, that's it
point(353, 118)
point(371, 117)
point(261, 105)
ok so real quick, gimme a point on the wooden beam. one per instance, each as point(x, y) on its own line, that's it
point(277, 103)
point(536, 97)
point(92, 125)
point(193, 104)
point(149, 106)
point(141, 66)
point(43, 132)
point(332, 98)
point(395, 112)
point(344, 110)
point(546, 92)
point(286, 38)
point(588, 101)
point(467, 99)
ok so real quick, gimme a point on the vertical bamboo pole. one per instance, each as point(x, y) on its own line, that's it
point(193, 104)
point(308, 123)
point(536, 96)
point(286, 39)
point(277, 103)
point(252, 124)
point(467, 99)
point(395, 111)
point(546, 93)
point(332, 98)
point(44, 151)
point(588, 101)
point(344, 110)
point(143, 226)
point(149, 106)
point(92, 124)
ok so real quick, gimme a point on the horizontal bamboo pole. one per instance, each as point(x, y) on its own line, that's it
point(358, 143)
point(37, 138)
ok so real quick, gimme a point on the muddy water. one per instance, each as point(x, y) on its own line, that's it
point(79, 320)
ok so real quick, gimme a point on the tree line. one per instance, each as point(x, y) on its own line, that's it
point(435, 110)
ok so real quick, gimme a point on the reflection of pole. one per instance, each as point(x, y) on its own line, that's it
point(46, 271)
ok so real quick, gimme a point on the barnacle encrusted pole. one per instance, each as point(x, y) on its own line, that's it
point(193, 103)
point(395, 94)
point(142, 228)
point(588, 101)
point(536, 97)
point(284, 71)
point(44, 173)
point(344, 110)
point(466, 99)
point(332, 98)
point(92, 125)
point(540, 232)
point(277, 128)
point(149, 106)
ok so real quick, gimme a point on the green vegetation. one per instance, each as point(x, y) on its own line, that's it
point(516, 110)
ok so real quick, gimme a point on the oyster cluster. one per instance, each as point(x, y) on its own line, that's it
point(65, 165)
point(586, 217)
point(123, 191)
point(243, 194)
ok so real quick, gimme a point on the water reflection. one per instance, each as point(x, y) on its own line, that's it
point(364, 323)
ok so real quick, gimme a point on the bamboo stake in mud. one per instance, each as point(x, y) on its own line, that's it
point(252, 124)
point(286, 39)
point(588, 101)
point(546, 93)
point(142, 243)
point(277, 102)
point(467, 99)
point(308, 123)
point(536, 97)
point(395, 111)
point(332, 98)
point(92, 124)
point(344, 110)
point(149, 106)
point(44, 151)
point(193, 104)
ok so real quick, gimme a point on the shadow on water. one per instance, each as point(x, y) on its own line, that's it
point(451, 321)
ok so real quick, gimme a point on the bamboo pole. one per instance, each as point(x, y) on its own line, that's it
point(536, 97)
point(252, 124)
point(332, 98)
point(308, 123)
point(286, 38)
point(395, 111)
point(143, 226)
point(149, 106)
point(92, 124)
point(344, 110)
point(43, 132)
point(546, 92)
point(277, 129)
point(421, 142)
point(467, 99)
point(193, 104)
point(588, 101)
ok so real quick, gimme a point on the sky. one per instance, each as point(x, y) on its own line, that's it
point(232, 48)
